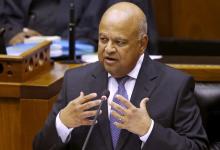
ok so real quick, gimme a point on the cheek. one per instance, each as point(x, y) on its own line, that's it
point(123, 59)
point(101, 47)
point(100, 52)
point(129, 58)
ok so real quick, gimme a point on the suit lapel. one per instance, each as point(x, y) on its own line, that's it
point(145, 84)
point(99, 83)
point(146, 81)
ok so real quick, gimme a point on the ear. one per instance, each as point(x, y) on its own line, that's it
point(143, 43)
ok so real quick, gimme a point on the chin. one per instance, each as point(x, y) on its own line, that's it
point(114, 73)
point(110, 70)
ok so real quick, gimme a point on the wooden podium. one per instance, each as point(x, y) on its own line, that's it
point(29, 84)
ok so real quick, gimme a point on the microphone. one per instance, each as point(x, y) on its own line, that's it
point(72, 32)
point(72, 59)
point(104, 97)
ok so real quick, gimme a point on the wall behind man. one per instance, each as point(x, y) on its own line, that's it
point(197, 19)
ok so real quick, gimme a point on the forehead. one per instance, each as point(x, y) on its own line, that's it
point(119, 24)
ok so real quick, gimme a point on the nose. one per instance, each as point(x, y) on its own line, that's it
point(109, 47)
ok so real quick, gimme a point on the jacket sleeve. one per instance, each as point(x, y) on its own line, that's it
point(13, 18)
point(187, 131)
point(47, 138)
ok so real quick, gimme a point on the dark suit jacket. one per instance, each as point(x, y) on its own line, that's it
point(2, 5)
point(172, 106)
point(51, 17)
point(1, 12)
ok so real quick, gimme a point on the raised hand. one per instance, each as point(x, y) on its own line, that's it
point(131, 118)
point(77, 112)
point(19, 37)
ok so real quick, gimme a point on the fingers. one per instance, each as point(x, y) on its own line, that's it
point(90, 104)
point(118, 107)
point(85, 98)
point(30, 32)
point(78, 113)
point(87, 122)
point(120, 120)
point(118, 116)
point(18, 38)
point(119, 111)
point(125, 102)
point(119, 125)
point(88, 114)
point(131, 118)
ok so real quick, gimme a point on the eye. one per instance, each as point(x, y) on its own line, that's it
point(103, 40)
point(121, 42)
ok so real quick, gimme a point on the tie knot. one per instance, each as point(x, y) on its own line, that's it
point(121, 81)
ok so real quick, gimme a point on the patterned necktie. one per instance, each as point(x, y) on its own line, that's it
point(122, 91)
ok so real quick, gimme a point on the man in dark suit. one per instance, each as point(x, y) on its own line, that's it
point(51, 17)
point(153, 109)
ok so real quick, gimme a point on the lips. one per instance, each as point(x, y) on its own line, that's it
point(110, 60)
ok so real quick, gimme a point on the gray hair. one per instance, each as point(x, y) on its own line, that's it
point(143, 26)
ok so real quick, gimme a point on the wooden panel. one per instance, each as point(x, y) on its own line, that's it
point(163, 16)
point(6, 90)
point(24, 107)
point(190, 19)
point(205, 68)
point(9, 124)
point(33, 115)
point(210, 73)
point(196, 19)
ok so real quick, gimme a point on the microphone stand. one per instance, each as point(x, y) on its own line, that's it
point(93, 124)
point(72, 24)
point(103, 98)
point(71, 32)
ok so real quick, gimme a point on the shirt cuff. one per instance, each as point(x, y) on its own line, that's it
point(146, 136)
point(62, 130)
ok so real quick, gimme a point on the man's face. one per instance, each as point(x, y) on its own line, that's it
point(119, 47)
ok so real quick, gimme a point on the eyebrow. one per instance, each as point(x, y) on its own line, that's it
point(102, 34)
point(117, 38)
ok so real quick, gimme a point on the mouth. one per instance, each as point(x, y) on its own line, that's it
point(110, 60)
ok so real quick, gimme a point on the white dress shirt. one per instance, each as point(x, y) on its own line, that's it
point(64, 132)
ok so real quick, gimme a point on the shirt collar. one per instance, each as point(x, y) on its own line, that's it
point(134, 72)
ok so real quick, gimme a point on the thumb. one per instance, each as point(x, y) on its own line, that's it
point(79, 97)
point(30, 32)
point(81, 94)
point(143, 103)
